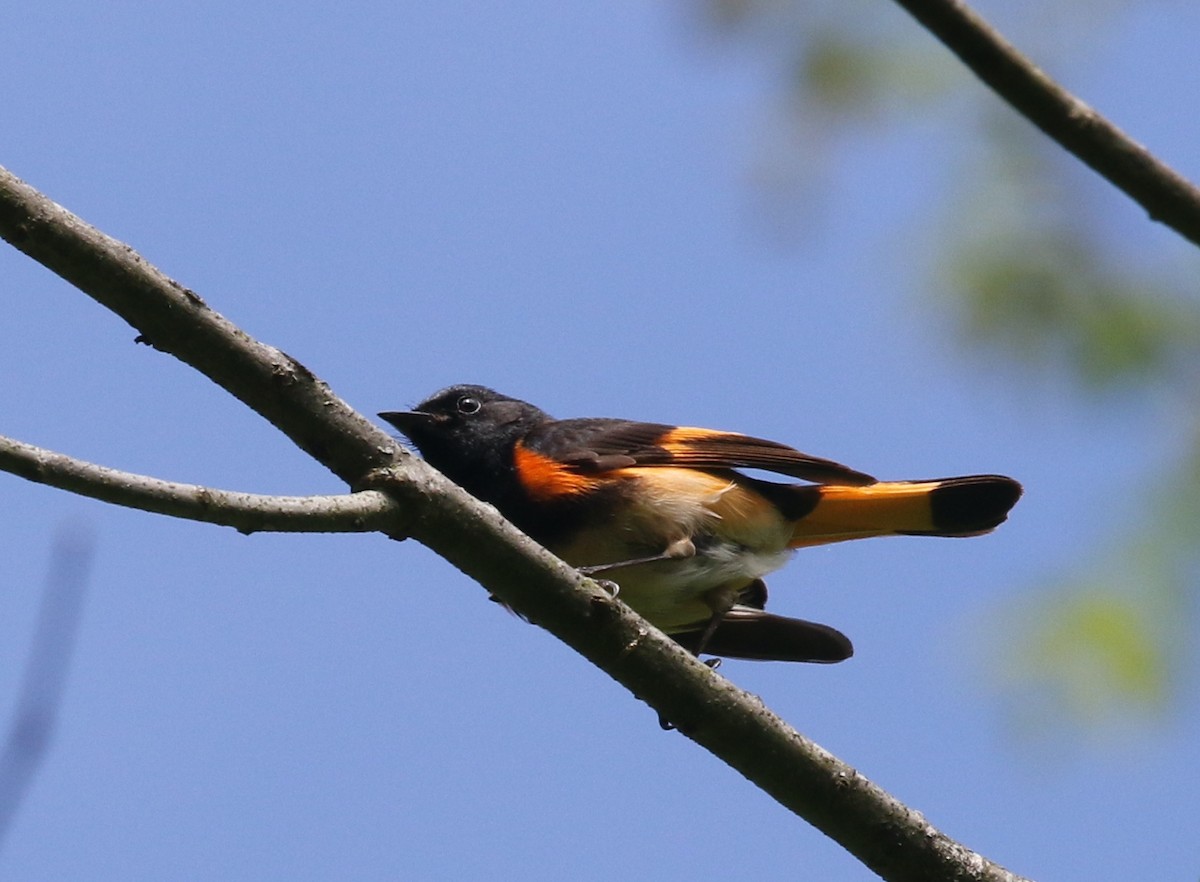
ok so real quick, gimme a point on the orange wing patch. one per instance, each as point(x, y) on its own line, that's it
point(682, 438)
point(546, 479)
point(706, 448)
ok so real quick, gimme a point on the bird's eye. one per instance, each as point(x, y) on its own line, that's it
point(468, 405)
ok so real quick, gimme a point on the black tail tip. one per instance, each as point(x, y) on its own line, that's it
point(975, 504)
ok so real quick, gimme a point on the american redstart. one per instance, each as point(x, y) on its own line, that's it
point(661, 511)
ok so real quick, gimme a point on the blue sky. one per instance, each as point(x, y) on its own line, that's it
point(550, 199)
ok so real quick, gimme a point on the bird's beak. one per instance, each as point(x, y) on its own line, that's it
point(408, 419)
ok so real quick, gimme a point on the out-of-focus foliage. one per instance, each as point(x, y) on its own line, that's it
point(852, 80)
point(1092, 648)
point(1032, 273)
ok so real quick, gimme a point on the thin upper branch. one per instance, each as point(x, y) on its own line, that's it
point(360, 512)
point(1166, 195)
point(891, 839)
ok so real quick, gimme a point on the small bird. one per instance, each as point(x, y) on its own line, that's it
point(662, 512)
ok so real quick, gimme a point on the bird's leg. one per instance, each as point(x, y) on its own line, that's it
point(720, 600)
point(677, 550)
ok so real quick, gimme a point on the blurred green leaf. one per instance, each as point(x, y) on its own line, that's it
point(1053, 303)
point(1097, 653)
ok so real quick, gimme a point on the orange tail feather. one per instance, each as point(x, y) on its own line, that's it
point(965, 506)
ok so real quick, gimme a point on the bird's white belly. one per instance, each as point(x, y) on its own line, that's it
point(673, 593)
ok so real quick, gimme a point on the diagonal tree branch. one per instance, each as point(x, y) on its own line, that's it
point(1166, 195)
point(361, 512)
point(894, 841)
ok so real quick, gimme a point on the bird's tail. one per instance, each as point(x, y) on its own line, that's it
point(965, 506)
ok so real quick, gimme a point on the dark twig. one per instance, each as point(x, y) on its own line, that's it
point(1167, 196)
point(36, 712)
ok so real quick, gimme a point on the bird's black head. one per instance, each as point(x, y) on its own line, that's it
point(467, 433)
